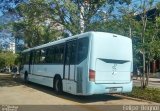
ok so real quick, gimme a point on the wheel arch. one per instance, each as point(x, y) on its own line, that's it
point(57, 76)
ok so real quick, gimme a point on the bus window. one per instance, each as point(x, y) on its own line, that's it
point(56, 54)
point(37, 57)
point(31, 58)
point(71, 52)
point(49, 55)
point(61, 53)
point(22, 57)
point(26, 58)
point(83, 44)
point(42, 56)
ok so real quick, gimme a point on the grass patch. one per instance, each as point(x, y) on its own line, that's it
point(151, 94)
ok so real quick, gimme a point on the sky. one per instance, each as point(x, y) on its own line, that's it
point(1, 13)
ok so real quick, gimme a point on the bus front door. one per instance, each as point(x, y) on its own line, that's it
point(69, 64)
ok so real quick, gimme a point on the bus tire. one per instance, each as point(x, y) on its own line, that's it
point(58, 85)
point(26, 77)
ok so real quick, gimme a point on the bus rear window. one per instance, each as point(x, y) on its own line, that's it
point(82, 52)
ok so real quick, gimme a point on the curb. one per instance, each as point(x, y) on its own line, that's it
point(136, 99)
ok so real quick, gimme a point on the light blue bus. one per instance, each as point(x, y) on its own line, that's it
point(84, 64)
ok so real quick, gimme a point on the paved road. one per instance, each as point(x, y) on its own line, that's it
point(153, 82)
point(15, 92)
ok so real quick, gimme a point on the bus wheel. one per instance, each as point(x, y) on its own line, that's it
point(26, 77)
point(58, 85)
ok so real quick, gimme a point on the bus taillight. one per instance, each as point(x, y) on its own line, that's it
point(91, 75)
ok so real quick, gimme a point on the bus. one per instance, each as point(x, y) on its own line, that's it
point(85, 64)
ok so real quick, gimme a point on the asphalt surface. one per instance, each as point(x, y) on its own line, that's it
point(153, 82)
point(15, 92)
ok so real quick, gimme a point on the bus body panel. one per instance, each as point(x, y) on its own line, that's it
point(109, 55)
point(46, 81)
point(78, 85)
point(113, 62)
point(43, 74)
point(107, 88)
point(111, 59)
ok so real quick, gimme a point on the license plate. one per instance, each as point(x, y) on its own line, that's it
point(113, 90)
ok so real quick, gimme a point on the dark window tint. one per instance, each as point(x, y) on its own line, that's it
point(37, 57)
point(49, 55)
point(55, 54)
point(25, 58)
point(42, 56)
point(22, 59)
point(82, 53)
point(31, 57)
point(60, 54)
point(71, 52)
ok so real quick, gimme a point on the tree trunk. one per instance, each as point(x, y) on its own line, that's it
point(143, 73)
point(82, 19)
point(149, 67)
point(147, 75)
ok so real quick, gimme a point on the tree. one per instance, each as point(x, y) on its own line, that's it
point(36, 27)
point(9, 5)
point(7, 59)
point(135, 22)
point(146, 32)
point(65, 13)
point(70, 13)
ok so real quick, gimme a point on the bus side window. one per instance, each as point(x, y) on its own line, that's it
point(82, 53)
point(43, 56)
point(71, 52)
point(60, 53)
point(37, 57)
point(31, 58)
point(49, 55)
point(56, 52)
point(23, 58)
point(22, 61)
point(26, 58)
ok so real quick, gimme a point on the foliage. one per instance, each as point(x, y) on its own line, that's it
point(7, 59)
point(41, 17)
point(151, 94)
point(2, 62)
point(144, 31)
point(9, 5)
point(36, 28)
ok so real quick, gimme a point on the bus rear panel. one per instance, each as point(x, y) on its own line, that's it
point(110, 64)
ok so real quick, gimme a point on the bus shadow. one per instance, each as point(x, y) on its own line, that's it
point(6, 80)
point(155, 81)
point(67, 96)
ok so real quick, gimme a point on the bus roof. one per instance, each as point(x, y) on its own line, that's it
point(86, 34)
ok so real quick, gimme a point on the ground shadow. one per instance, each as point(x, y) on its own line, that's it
point(6, 80)
point(155, 81)
point(9, 81)
point(75, 98)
